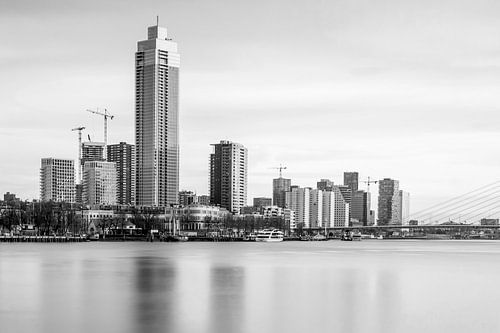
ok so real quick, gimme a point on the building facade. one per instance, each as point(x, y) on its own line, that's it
point(405, 207)
point(388, 202)
point(228, 176)
point(57, 180)
point(92, 151)
point(335, 209)
point(99, 183)
point(280, 187)
point(157, 65)
point(316, 208)
point(123, 155)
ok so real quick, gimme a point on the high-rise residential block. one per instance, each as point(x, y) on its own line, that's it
point(228, 176)
point(123, 155)
point(299, 200)
point(57, 180)
point(92, 151)
point(187, 198)
point(157, 65)
point(316, 208)
point(405, 207)
point(351, 180)
point(99, 183)
point(280, 187)
point(335, 208)
point(388, 202)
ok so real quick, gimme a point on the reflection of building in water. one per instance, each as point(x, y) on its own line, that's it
point(154, 306)
point(227, 298)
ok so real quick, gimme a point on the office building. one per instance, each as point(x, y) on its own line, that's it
point(388, 201)
point(123, 155)
point(57, 180)
point(99, 183)
point(351, 180)
point(280, 187)
point(157, 65)
point(228, 176)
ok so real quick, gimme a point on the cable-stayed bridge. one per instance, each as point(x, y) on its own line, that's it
point(469, 208)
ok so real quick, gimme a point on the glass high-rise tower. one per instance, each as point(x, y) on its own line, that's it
point(156, 119)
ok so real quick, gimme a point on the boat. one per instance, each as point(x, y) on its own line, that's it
point(357, 236)
point(269, 235)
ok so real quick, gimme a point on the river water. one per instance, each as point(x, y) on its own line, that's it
point(367, 286)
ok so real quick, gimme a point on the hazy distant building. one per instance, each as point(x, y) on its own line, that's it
point(228, 176)
point(324, 185)
point(57, 180)
point(388, 202)
point(298, 200)
point(123, 154)
point(99, 183)
point(157, 65)
point(404, 198)
point(204, 200)
point(351, 180)
point(280, 187)
point(360, 207)
point(262, 202)
point(187, 198)
point(486, 221)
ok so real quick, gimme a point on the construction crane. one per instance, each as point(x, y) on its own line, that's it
point(79, 129)
point(105, 115)
point(368, 182)
point(280, 168)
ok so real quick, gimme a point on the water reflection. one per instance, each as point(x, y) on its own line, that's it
point(155, 298)
point(227, 299)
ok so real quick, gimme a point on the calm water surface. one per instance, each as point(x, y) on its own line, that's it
point(368, 286)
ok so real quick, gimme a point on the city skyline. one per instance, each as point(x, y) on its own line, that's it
point(430, 108)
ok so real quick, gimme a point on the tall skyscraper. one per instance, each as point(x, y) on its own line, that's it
point(388, 201)
point(57, 180)
point(280, 187)
point(157, 65)
point(228, 176)
point(316, 208)
point(351, 180)
point(123, 155)
point(99, 183)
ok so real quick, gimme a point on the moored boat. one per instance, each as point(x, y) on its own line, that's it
point(269, 235)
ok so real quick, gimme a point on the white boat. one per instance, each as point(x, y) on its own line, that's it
point(269, 235)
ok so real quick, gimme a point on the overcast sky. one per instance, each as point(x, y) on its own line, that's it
point(401, 89)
